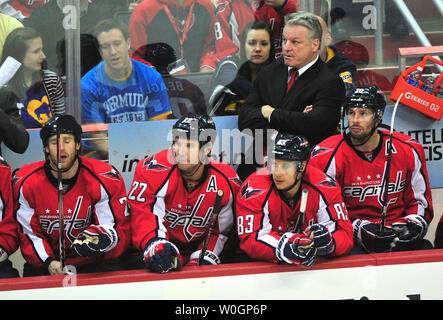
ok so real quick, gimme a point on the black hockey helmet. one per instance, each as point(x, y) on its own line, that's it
point(366, 97)
point(290, 147)
point(161, 55)
point(195, 126)
point(65, 123)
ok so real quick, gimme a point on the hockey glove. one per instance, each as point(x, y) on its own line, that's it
point(408, 230)
point(296, 248)
point(161, 256)
point(323, 241)
point(94, 240)
point(208, 258)
point(369, 236)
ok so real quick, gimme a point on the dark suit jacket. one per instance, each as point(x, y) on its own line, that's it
point(317, 86)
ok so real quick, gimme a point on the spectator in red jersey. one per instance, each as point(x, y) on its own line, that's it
point(186, 25)
point(232, 17)
point(273, 12)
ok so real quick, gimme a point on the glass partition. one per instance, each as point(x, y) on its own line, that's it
point(201, 50)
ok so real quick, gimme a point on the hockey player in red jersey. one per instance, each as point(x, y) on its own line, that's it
point(8, 225)
point(95, 216)
point(275, 223)
point(273, 12)
point(357, 160)
point(172, 198)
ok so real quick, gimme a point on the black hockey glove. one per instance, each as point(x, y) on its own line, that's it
point(368, 235)
point(94, 240)
point(296, 248)
point(161, 256)
point(409, 229)
point(324, 243)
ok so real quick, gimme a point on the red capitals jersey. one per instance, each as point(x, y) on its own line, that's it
point(187, 28)
point(263, 214)
point(361, 177)
point(97, 196)
point(231, 18)
point(25, 7)
point(276, 19)
point(161, 205)
point(8, 224)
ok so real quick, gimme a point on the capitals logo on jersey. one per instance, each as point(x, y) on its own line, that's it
point(248, 192)
point(151, 164)
point(327, 183)
point(113, 175)
point(319, 151)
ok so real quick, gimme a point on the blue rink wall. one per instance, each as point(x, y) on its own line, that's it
point(130, 142)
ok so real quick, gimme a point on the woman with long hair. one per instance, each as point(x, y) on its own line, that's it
point(235, 75)
point(25, 45)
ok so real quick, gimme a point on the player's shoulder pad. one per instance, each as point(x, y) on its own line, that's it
point(25, 171)
point(406, 139)
point(327, 146)
point(319, 179)
point(226, 171)
point(159, 163)
point(105, 172)
point(256, 185)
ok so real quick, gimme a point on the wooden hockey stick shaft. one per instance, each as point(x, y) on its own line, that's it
point(214, 216)
point(301, 217)
point(388, 168)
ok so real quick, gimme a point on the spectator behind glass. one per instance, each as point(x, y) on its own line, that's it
point(336, 60)
point(360, 56)
point(227, 33)
point(234, 76)
point(184, 96)
point(20, 9)
point(49, 20)
point(274, 12)
point(25, 45)
point(120, 89)
point(186, 25)
point(7, 24)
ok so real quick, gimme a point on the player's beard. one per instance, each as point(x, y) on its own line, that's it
point(361, 138)
point(66, 166)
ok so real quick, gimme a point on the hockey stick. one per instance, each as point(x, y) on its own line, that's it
point(61, 222)
point(388, 168)
point(301, 216)
point(215, 212)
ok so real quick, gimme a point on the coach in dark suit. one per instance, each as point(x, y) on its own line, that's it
point(275, 104)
